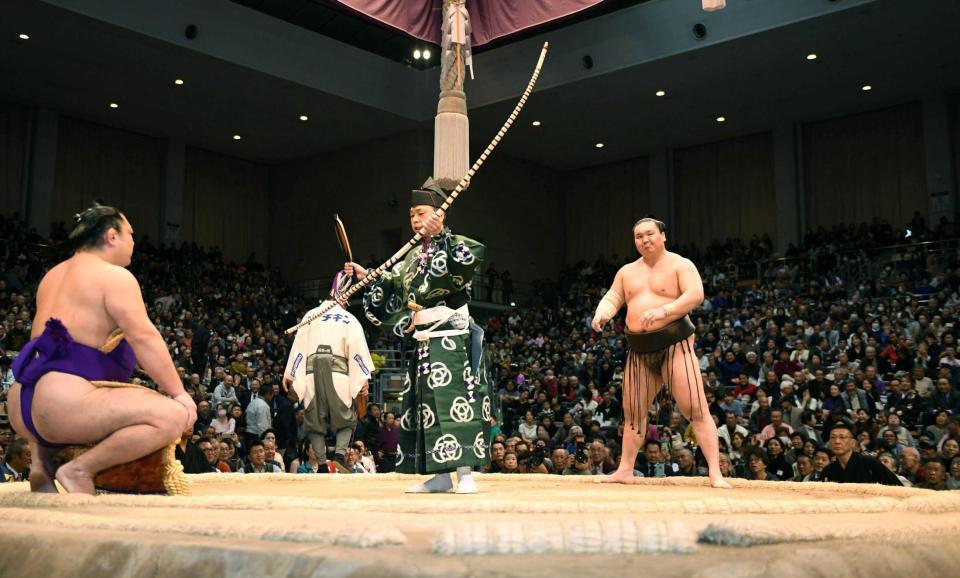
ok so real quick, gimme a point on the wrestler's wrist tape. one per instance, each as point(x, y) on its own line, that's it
point(609, 305)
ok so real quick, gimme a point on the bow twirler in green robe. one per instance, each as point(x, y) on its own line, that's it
point(445, 416)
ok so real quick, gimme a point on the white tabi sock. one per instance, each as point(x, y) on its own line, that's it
point(437, 484)
point(465, 481)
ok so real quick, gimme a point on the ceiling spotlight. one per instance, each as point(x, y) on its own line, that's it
point(536, 123)
point(661, 93)
point(811, 56)
point(417, 54)
point(24, 37)
point(867, 87)
point(178, 82)
point(721, 119)
point(114, 105)
point(599, 145)
point(426, 54)
point(304, 117)
point(237, 137)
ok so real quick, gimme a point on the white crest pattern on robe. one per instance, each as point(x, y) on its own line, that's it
point(446, 449)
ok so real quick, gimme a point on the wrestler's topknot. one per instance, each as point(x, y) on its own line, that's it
point(660, 224)
point(92, 223)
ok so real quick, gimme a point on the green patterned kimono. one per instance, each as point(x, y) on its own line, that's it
point(445, 417)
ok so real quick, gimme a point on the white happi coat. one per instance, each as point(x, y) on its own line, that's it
point(341, 331)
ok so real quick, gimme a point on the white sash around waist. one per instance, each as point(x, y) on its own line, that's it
point(439, 315)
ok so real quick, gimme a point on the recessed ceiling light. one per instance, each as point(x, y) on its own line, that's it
point(866, 87)
point(536, 123)
point(417, 54)
point(721, 119)
point(24, 37)
point(237, 137)
point(114, 105)
point(599, 145)
point(661, 93)
point(811, 56)
point(426, 55)
point(304, 117)
point(178, 81)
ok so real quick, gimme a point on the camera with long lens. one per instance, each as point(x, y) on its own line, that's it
point(536, 457)
point(580, 449)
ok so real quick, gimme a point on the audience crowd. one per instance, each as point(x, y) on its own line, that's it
point(828, 332)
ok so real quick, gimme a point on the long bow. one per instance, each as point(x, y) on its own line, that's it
point(371, 275)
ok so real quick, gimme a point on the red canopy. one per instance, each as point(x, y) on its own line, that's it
point(489, 19)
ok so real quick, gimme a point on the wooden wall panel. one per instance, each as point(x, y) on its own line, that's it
point(13, 149)
point(864, 167)
point(122, 168)
point(724, 190)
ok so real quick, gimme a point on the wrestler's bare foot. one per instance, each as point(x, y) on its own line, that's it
point(619, 477)
point(41, 482)
point(719, 483)
point(44, 466)
point(75, 480)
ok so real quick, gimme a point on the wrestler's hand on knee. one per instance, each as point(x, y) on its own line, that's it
point(354, 270)
point(187, 402)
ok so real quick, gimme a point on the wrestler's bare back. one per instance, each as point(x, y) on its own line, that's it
point(77, 293)
point(647, 287)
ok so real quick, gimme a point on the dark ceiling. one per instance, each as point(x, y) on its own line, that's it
point(77, 65)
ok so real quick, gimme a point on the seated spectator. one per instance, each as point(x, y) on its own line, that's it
point(257, 461)
point(804, 467)
point(726, 466)
point(269, 439)
point(212, 454)
point(890, 462)
point(953, 482)
point(365, 457)
point(757, 461)
point(353, 462)
point(936, 475)
point(850, 466)
point(652, 463)
point(771, 430)
point(528, 429)
point(822, 457)
point(559, 461)
point(685, 464)
point(510, 465)
point(16, 463)
point(903, 434)
point(601, 459)
point(777, 463)
point(223, 423)
point(228, 454)
point(497, 452)
point(949, 449)
point(190, 456)
point(730, 427)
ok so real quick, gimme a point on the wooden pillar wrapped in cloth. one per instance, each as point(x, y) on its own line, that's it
point(451, 144)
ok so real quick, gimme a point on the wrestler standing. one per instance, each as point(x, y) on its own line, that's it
point(80, 303)
point(660, 289)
